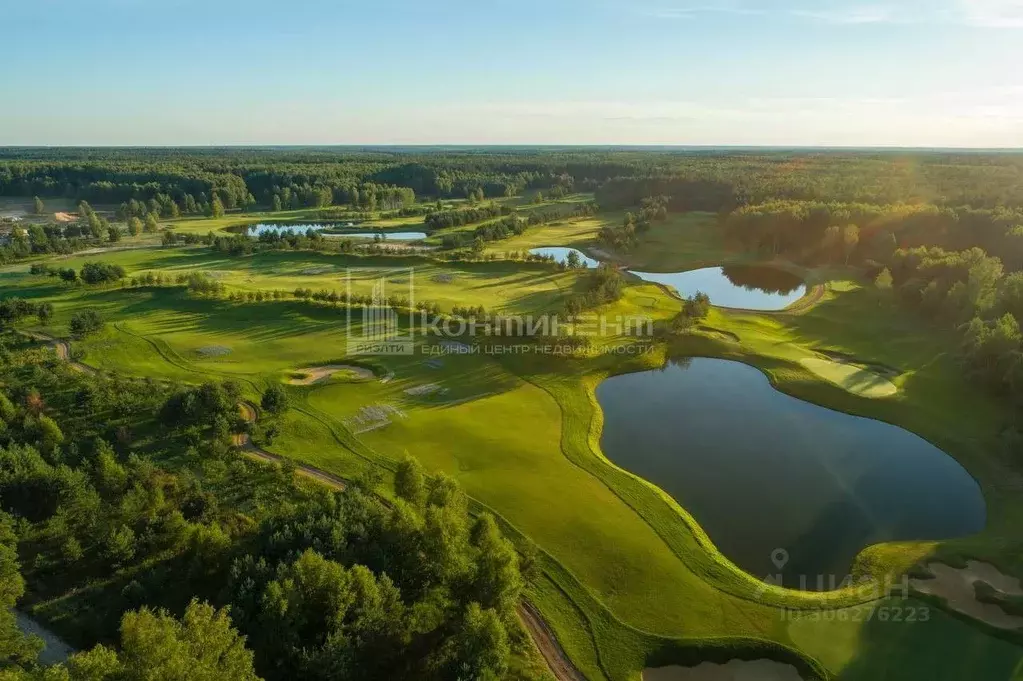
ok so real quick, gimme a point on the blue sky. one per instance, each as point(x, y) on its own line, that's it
point(714, 72)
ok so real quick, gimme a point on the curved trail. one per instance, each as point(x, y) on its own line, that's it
point(547, 643)
point(62, 348)
point(543, 638)
point(244, 442)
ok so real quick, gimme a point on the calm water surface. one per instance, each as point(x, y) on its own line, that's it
point(751, 287)
point(560, 254)
point(256, 230)
point(761, 470)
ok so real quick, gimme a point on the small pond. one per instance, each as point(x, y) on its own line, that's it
point(560, 254)
point(334, 230)
point(761, 470)
point(750, 287)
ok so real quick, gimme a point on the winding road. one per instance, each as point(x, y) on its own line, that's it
point(539, 631)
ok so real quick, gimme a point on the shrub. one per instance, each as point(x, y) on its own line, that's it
point(100, 272)
point(85, 322)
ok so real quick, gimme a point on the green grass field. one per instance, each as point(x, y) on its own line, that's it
point(627, 575)
point(682, 242)
point(511, 288)
point(856, 380)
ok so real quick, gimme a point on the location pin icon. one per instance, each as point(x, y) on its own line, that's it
point(779, 557)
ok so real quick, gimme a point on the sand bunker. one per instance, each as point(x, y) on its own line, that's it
point(851, 378)
point(214, 350)
point(318, 374)
point(956, 587)
point(733, 670)
point(373, 417)
point(65, 217)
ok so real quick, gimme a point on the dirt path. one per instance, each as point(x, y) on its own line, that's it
point(547, 644)
point(62, 349)
point(243, 441)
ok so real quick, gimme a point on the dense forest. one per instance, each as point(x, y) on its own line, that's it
point(127, 502)
point(391, 178)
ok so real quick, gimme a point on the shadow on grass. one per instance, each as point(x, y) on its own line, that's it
point(935, 645)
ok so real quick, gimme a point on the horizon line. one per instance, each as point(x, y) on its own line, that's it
point(605, 146)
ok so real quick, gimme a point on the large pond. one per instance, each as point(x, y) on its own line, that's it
point(560, 255)
point(334, 230)
point(750, 287)
point(782, 486)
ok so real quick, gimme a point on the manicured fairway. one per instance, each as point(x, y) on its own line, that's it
point(862, 382)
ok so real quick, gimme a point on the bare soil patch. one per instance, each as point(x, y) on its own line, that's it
point(956, 587)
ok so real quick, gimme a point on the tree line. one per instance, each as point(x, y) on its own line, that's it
point(814, 232)
point(696, 180)
point(968, 291)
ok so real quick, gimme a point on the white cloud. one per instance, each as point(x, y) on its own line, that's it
point(978, 13)
point(850, 15)
point(993, 13)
